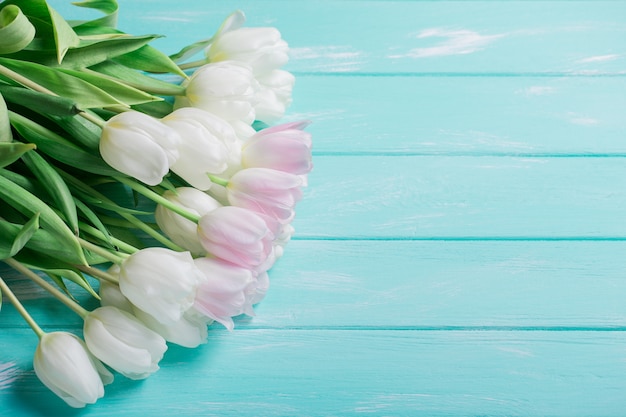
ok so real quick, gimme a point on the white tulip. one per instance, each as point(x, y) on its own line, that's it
point(209, 145)
point(139, 146)
point(64, 365)
point(160, 282)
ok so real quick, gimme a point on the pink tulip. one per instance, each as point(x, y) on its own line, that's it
point(266, 191)
point(284, 148)
point(236, 235)
point(222, 294)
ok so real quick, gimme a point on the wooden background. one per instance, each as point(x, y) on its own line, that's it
point(461, 247)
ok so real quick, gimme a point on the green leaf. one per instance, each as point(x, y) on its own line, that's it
point(55, 187)
point(137, 79)
point(38, 102)
point(93, 218)
point(12, 151)
point(50, 27)
point(85, 94)
point(24, 235)
point(156, 109)
point(122, 92)
point(53, 267)
point(80, 130)
point(16, 31)
point(59, 148)
point(234, 21)
point(150, 59)
point(109, 7)
point(5, 125)
point(43, 242)
point(29, 204)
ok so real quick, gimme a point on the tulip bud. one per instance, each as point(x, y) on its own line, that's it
point(222, 293)
point(64, 365)
point(209, 145)
point(266, 191)
point(123, 342)
point(274, 95)
point(160, 282)
point(284, 148)
point(190, 331)
point(262, 48)
point(236, 235)
point(226, 89)
point(184, 232)
point(139, 146)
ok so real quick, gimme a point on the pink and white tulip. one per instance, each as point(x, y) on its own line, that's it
point(184, 232)
point(266, 191)
point(284, 148)
point(223, 292)
point(236, 235)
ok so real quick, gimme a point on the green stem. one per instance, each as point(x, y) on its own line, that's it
point(151, 232)
point(20, 79)
point(218, 180)
point(193, 64)
point(110, 256)
point(71, 304)
point(96, 273)
point(20, 308)
point(145, 191)
point(115, 241)
point(92, 118)
point(26, 82)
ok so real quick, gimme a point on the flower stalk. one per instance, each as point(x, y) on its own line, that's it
point(20, 308)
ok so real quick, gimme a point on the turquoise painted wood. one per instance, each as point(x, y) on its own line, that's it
point(460, 249)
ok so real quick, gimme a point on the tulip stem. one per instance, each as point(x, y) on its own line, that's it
point(109, 256)
point(26, 82)
point(218, 180)
point(97, 273)
point(71, 304)
point(6, 291)
point(145, 191)
point(115, 241)
point(92, 118)
point(151, 232)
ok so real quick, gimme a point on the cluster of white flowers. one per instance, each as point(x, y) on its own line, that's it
point(233, 219)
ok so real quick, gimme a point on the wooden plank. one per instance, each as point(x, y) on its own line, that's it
point(463, 115)
point(416, 197)
point(407, 36)
point(337, 373)
point(417, 284)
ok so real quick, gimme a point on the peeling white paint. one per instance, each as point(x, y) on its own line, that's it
point(455, 42)
point(598, 58)
point(8, 374)
point(536, 90)
point(331, 58)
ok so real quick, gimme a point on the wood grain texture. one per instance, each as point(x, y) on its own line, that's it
point(273, 373)
point(460, 249)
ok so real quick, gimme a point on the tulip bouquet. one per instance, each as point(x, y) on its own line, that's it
point(161, 185)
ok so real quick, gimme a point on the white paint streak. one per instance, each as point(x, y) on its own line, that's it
point(598, 58)
point(582, 120)
point(536, 90)
point(8, 374)
point(455, 42)
point(330, 58)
